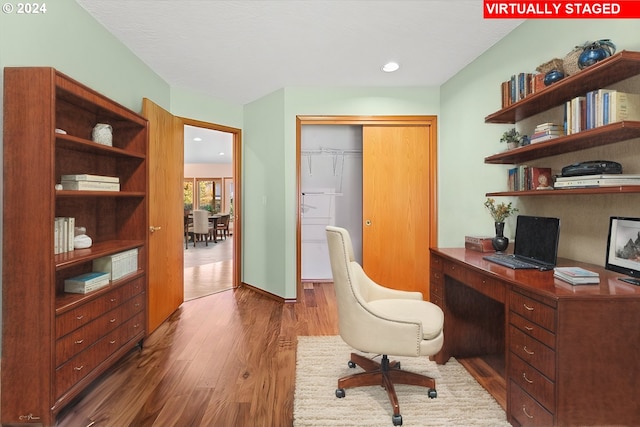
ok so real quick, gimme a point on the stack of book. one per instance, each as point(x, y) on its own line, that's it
point(546, 131)
point(87, 282)
point(90, 182)
point(63, 234)
point(576, 275)
point(595, 181)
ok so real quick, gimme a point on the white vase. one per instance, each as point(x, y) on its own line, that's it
point(512, 145)
point(102, 134)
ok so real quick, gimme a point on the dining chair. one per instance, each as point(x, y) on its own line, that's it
point(201, 226)
point(222, 228)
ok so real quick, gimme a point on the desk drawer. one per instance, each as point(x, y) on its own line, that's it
point(532, 381)
point(533, 329)
point(533, 352)
point(526, 410)
point(533, 310)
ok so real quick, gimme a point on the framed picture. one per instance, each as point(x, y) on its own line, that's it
point(623, 248)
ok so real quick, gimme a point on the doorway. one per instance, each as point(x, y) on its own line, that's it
point(399, 196)
point(209, 184)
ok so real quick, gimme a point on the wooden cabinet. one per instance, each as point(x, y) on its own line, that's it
point(614, 69)
point(55, 343)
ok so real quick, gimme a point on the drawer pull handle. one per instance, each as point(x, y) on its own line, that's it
point(524, 409)
point(529, 328)
point(113, 300)
point(527, 307)
point(112, 320)
point(484, 282)
point(453, 267)
point(136, 326)
point(137, 305)
point(78, 368)
point(78, 341)
point(80, 317)
point(524, 375)
point(530, 353)
point(112, 342)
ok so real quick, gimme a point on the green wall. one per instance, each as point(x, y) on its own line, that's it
point(465, 140)
point(270, 192)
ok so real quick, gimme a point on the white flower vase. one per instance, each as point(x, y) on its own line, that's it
point(103, 134)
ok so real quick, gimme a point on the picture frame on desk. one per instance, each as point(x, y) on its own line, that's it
point(623, 248)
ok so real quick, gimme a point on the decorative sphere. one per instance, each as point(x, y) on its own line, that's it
point(591, 55)
point(553, 76)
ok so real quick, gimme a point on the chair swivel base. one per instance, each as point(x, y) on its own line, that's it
point(384, 374)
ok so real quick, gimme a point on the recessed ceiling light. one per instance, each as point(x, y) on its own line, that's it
point(221, 153)
point(390, 67)
point(198, 139)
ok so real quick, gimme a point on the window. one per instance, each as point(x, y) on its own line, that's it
point(188, 194)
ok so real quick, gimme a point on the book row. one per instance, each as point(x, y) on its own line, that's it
point(522, 178)
point(63, 234)
point(600, 107)
point(519, 86)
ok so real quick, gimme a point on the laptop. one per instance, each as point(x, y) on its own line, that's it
point(536, 244)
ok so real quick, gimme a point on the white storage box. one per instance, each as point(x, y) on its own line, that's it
point(118, 265)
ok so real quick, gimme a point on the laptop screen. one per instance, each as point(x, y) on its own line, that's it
point(537, 238)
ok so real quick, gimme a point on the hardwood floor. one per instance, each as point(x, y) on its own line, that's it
point(225, 360)
point(208, 269)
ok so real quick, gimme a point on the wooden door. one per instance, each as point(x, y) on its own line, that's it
point(165, 161)
point(396, 206)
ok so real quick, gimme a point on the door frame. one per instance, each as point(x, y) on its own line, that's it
point(237, 190)
point(430, 121)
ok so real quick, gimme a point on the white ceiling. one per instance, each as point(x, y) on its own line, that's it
point(241, 50)
point(214, 146)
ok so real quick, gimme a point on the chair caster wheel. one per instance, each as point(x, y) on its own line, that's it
point(397, 420)
point(340, 393)
point(432, 393)
point(351, 364)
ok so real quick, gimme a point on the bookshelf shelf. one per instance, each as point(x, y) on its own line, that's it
point(616, 68)
point(78, 256)
point(54, 343)
point(570, 191)
point(603, 135)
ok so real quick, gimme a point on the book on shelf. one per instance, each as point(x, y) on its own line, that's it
point(542, 138)
point(585, 181)
point(63, 234)
point(523, 178)
point(90, 185)
point(88, 177)
point(87, 282)
point(576, 275)
point(623, 106)
point(118, 265)
point(479, 243)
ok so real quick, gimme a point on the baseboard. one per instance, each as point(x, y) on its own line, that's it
point(268, 294)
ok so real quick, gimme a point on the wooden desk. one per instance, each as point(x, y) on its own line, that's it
point(570, 355)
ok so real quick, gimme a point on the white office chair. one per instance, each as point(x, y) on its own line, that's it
point(379, 320)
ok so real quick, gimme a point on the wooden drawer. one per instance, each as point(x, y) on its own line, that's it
point(533, 352)
point(85, 313)
point(533, 310)
point(83, 337)
point(533, 329)
point(83, 363)
point(526, 410)
point(533, 382)
point(437, 278)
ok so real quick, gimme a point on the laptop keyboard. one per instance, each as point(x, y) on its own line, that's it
point(510, 261)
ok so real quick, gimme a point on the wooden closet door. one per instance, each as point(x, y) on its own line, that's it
point(396, 206)
point(166, 213)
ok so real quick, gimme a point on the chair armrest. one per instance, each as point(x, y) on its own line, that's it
point(372, 291)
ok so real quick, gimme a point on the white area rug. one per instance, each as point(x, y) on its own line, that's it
point(321, 361)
